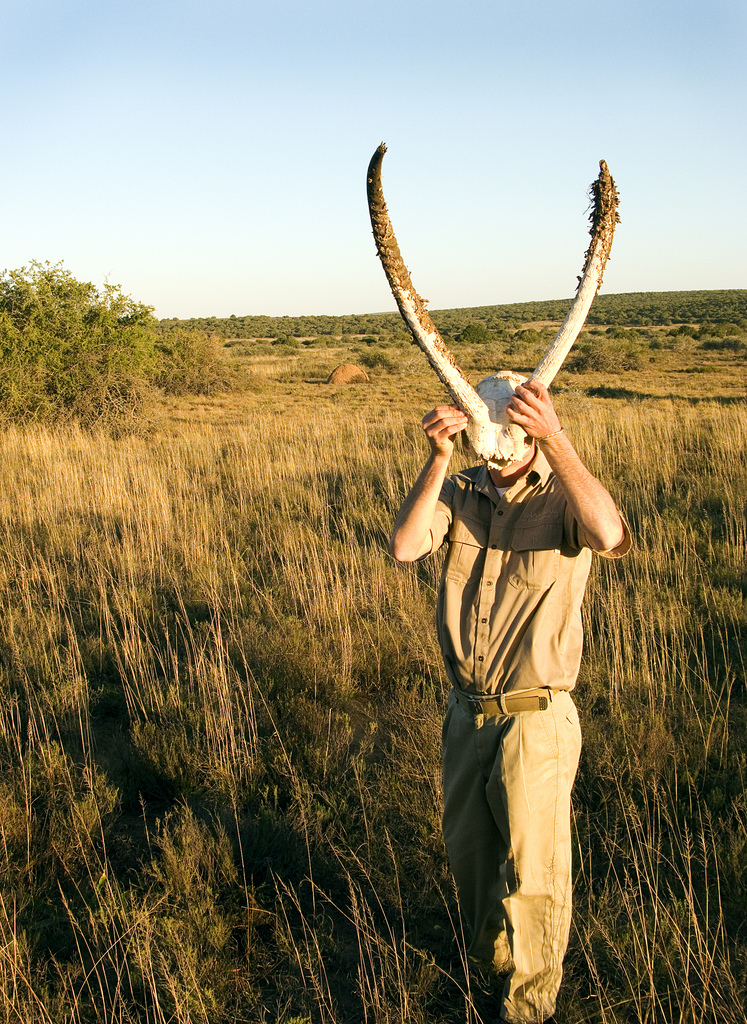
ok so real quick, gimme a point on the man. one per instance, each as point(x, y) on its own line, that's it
point(509, 625)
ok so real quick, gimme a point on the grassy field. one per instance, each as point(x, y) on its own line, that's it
point(221, 704)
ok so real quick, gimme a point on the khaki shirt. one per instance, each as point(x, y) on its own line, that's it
point(509, 601)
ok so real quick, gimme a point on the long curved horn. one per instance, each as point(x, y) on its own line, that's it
point(411, 306)
point(603, 219)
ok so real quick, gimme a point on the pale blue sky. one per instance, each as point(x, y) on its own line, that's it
point(210, 157)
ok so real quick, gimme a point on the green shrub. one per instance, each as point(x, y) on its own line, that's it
point(624, 333)
point(528, 336)
point(69, 350)
point(723, 345)
point(191, 364)
point(476, 334)
point(378, 360)
point(604, 356)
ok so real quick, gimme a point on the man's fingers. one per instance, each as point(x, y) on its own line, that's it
point(442, 411)
point(442, 428)
point(442, 424)
point(530, 392)
point(445, 417)
point(528, 400)
point(531, 408)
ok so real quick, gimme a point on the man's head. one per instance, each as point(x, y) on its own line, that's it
point(496, 391)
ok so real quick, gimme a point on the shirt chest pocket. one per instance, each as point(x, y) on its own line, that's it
point(468, 539)
point(534, 558)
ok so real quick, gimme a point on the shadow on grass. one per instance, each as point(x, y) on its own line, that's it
point(633, 396)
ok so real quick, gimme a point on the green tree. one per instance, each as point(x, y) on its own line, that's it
point(68, 349)
point(191, 364)
point(476, 334)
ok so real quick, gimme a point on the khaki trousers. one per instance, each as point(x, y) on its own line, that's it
point(507, 804)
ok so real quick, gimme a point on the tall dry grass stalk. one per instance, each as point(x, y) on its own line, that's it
point(220, 715)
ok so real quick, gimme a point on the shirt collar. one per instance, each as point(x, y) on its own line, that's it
point(538, 472)
point(539, 466)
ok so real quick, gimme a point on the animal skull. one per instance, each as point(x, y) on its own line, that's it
point(491, 435)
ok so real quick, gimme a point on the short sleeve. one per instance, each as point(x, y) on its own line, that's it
point(625, 544)
point(443, 514)
point(576, 537)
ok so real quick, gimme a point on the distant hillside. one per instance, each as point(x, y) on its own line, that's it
point(631, 309)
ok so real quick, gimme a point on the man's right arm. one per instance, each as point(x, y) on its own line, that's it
point(411, 536)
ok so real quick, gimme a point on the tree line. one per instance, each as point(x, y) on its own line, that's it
point(630, 309)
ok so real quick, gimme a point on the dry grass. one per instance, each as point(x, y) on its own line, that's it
point(220, 718)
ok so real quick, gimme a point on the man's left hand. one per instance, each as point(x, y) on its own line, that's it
point(530, 407)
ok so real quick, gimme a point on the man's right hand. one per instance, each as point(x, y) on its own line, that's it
point(441, 425)
point(411, 537)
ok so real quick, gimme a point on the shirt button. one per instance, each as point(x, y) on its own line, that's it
point(483, 620)
point(488, 583)
point(480, 657)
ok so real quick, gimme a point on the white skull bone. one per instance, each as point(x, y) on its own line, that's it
point(509, 442)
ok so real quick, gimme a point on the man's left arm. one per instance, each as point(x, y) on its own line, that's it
point(590, 502)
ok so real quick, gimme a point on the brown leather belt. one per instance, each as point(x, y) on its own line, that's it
point(505, 703)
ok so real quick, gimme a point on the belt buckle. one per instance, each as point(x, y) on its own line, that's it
point(475, 704)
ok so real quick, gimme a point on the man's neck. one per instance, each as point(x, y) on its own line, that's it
point(508, 475)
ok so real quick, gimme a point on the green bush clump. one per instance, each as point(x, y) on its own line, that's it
point(190, 364)
point(612, 353)
point(378, 360)
point(723, 345)
point(69, 350)
point(476, 334)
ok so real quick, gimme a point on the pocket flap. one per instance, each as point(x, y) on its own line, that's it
point(470, 531)
point(542, 536)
